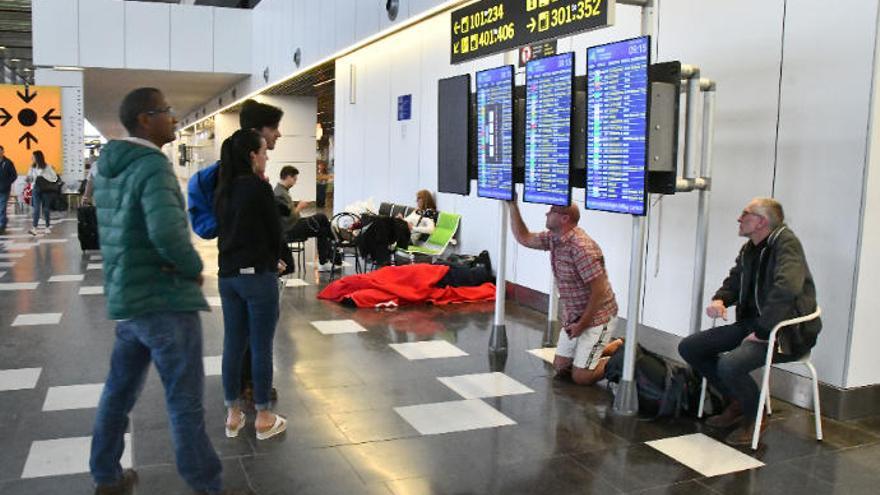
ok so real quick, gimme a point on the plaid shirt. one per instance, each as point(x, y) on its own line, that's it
point(577, 260)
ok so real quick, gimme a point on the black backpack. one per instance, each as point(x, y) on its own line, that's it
point(665, 388)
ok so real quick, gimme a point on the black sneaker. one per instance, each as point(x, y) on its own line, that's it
point(124, 486)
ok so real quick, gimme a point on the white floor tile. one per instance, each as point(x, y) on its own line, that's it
point(19, 286)
point(295, 282)
point(480, 385)
point(705, 455)
point(66, 278)
point(8, 237)
point(20, 379)
point(73, 397)
point(214, 301)
point(96, 257)
point(91, 290)
point(431, 349)
point(53, 241)
point(332, 327)
point(213, 365)
point(64, 456)
point(447, 417)
point(37, 319)
point(545, 353)
point(7, 264)
point(95, 266)
point(10, 256)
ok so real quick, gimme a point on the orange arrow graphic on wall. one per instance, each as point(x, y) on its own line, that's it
point(31, 120)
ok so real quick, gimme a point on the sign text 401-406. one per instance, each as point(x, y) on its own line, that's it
point(489, 27)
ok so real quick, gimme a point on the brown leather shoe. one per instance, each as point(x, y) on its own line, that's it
point(122, 487)
point(743, 435)
point(731, 416)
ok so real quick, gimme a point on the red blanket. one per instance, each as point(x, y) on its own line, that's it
point(402, 285)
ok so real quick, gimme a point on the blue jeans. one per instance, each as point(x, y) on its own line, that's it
point(4, 198)
point(250, 313)
point(721, 355)
point(40, 201)
point(173, 341)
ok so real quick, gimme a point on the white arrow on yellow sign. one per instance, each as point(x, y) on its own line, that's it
point(30, 120)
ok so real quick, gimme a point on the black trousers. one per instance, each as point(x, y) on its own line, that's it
point(317, 226)
point(465, 276)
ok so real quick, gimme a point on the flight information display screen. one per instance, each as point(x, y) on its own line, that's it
point(549, 89)
point(617, 125)
point(495, 133)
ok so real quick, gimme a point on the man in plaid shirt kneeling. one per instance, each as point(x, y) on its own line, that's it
point(589, 313)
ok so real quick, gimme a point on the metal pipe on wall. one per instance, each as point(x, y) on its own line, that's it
point(702, 237)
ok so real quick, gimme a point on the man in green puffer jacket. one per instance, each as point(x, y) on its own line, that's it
point(152, 281)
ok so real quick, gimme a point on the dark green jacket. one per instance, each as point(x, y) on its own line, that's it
point(150, 264)
point(780, 284)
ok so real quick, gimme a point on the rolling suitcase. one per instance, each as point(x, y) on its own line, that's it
point(87, 221)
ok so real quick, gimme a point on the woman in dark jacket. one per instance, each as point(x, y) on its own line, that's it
point(249, 240)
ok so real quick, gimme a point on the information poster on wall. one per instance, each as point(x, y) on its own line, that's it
point(549, 108)
point(617, 126)
point(495, 133)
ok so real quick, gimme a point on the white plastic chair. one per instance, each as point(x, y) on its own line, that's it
point(764, 400)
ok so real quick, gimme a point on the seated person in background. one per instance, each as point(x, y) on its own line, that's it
point(420, 221)
point(296, 227)
point(770, 282)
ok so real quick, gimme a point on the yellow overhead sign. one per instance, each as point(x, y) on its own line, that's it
point(30, 120)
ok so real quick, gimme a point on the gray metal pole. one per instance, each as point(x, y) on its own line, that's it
point(498, 338)
point(703, 206)
point(626, 402)
point(552, 315)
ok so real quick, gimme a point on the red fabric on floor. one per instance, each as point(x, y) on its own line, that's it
point(403, 285)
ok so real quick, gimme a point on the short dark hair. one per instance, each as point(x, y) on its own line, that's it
point(288, 171)
point(256, 115)
point(135, 103)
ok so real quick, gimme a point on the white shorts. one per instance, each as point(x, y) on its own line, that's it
point(586, 349)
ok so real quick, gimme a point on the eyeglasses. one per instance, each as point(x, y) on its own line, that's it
point(168, 110)
point(746, 213)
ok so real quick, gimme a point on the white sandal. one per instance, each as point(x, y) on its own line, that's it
point(232, 433)
point(279, 427)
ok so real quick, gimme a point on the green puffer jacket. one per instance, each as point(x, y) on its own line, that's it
point(150, 264)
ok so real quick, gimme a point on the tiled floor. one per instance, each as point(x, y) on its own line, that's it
point(400, 402)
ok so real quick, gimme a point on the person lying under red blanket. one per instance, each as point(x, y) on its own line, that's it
point(413, 284)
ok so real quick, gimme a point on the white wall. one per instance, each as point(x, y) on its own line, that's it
point(862, 366)
point(140, 35)
point(318, 29)
point(148, 21)
point(821, 147)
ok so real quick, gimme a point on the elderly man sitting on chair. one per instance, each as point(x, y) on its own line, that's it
point(770, 282)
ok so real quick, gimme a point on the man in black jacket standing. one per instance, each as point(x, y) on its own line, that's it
point(769, 283)
point(8, 175)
